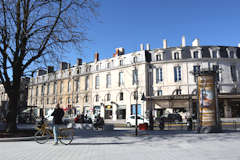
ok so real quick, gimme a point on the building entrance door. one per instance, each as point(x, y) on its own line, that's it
point(108, 112)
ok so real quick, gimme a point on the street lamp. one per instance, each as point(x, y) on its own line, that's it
point(43, 88)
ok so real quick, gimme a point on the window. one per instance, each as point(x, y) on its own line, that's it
point(61, 87)
point(215, 69)
point(214, 54)
point(176, 55)
point(108, 81)
point(37, 91)
point(97, 82)
point(120, 79)
point(68, 100)
point(47, 100)
point(108, 97)
point(42, 90)
point(121, 96)
point(196, 69)
point(77, 84)
point(97, 98)
point(135, 95)
point(159, 92)
point(158, 57)
point(195, 54)
point(55, 87)
point(177, 73)
point(86, 98)
point(108, 65)
point(159, 77)
point(69, 86)
point(77, 98)
point(86, 83)
point(48, 86)
point(135, 76)
point(231, 54)
point(97, 67)
point(121, 62)
point(233, 73)
point(134, 59)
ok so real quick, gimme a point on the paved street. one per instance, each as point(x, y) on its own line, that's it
point(122, 144)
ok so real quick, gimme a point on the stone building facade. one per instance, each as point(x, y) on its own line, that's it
point(113, 87)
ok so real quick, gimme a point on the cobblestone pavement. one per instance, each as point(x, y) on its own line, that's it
point(123, 145)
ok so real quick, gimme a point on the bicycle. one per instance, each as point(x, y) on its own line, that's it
point(44, 133)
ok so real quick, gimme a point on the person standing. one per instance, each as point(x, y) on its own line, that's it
point(57, 114)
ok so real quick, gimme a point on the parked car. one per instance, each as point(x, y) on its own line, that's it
point(131, 121)
point(172, 117)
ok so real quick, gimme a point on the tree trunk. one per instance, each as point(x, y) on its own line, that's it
point(12, 112)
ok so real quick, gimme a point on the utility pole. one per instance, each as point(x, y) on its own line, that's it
point(136, 98)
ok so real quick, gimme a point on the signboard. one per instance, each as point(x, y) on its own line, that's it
point(207, 103)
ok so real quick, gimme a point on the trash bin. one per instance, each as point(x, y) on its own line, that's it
point(143, 126)
point(189, 124)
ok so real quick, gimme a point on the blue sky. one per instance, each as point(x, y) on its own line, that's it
point(127, 23)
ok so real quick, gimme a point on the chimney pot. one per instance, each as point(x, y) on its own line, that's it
point(164, 43)
point(147, 46)
point(141, 47)
point(79, 61)
point(183, 41)
point(195, 42)
point(96, 57)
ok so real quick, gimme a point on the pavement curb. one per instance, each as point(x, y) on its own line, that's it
point(17, 139)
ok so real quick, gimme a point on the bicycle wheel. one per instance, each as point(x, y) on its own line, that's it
point(41, 137)
point(65, 136)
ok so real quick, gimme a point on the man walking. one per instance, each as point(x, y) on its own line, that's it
point(57, 114)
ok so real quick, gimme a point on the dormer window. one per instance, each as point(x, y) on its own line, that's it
point(134, 59)
point(231, 54)
point(176, 55)
point(158, 57)
point(121, 62)
point(97, 67)
point(108, 65)
point(195, 54)
point(214, 54)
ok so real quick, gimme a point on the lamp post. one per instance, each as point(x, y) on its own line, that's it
point(43, 101)
point(150, 95)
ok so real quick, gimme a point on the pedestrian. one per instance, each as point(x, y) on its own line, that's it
point(57, 114)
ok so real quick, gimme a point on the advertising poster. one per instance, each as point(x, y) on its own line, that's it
point(207, 103)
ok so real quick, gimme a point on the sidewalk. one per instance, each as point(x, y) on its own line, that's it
point(124, 145)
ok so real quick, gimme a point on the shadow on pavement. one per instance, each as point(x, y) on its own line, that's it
point(111, 143)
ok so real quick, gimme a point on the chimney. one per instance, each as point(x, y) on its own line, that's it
point(96, 57)
point(195, 42)
point(164, 44)
point(121, 51)
point(147, 46)
point(183, 41)
point(239, 45)
point(141, 47)
point(50, 69)
point(63, 65)
point(79, 61)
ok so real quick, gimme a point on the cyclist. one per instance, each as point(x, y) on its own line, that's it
point(57, 114)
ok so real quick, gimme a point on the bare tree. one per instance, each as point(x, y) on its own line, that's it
point(35, 30)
